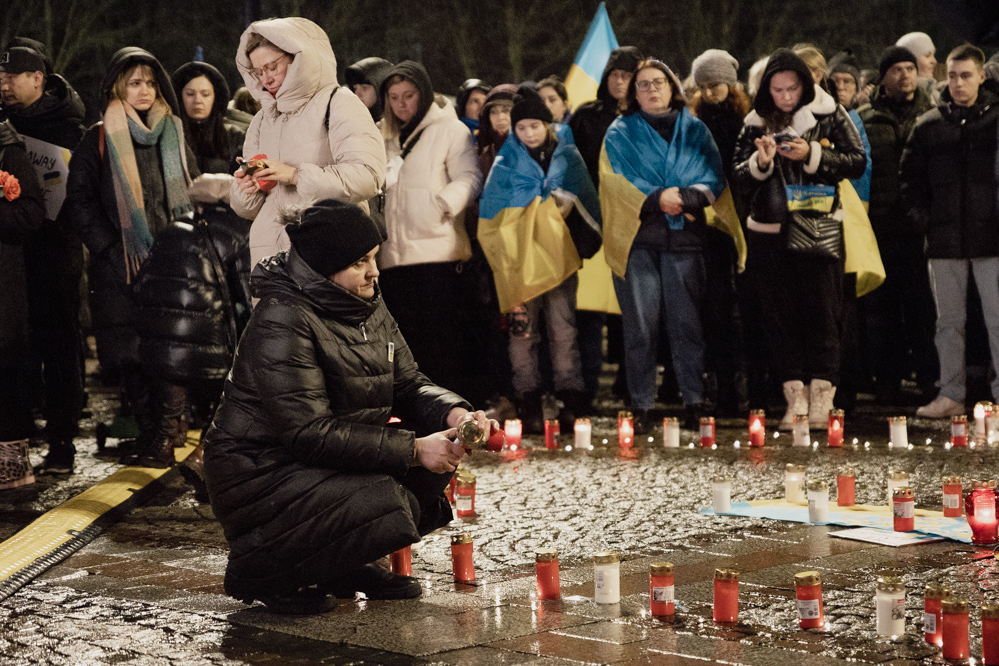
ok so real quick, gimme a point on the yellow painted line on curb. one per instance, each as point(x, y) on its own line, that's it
point(59, 525)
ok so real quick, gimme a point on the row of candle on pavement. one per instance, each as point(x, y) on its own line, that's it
point(945, 616)
point(979, 503)
point(986, 429)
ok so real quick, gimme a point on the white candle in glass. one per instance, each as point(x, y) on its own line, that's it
point(721, 493)
point(897, 432)
point(671, 432)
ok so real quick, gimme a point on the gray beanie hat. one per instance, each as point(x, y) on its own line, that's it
point(715, 66)
point(918, 42)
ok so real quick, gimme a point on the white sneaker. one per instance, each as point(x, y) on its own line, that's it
point(820, 402)
point(941, 408)
point(797, 403)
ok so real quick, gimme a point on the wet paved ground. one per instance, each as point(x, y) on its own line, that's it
point(148, 591)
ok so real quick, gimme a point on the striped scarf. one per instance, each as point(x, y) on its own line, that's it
point(122, 126)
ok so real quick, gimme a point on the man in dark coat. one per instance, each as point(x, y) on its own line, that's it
point(900, 314)
point(949, 185)
point(309, 483)
point(44, 108)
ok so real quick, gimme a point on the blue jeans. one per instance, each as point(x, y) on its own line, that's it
point(662, 286)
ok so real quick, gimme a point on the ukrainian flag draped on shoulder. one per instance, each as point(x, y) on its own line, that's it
point(635, 161)
point(521, 230)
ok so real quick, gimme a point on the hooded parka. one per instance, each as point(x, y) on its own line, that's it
point(344, 159)
point(304, 475)
point(370, 71)
point(221, 163)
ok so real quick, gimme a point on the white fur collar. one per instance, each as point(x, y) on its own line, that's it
point(804, 118)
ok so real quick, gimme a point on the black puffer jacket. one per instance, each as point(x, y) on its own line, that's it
point(949, 179)
point(823, 119)
point(192, 302)
point(301, 468)
point(889, 124)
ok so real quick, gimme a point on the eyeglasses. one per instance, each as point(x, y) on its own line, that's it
point(646, 86)
point(268, 68)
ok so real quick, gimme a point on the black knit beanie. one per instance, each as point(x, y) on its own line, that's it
point(894, 55)
point(332, 235)
point(527, 103)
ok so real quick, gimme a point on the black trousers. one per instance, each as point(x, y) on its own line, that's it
point(801, 305)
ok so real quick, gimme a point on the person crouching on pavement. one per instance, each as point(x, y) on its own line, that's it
point(309, 482)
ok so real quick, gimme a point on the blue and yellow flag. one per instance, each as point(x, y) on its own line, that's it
point(522, 233)
point(635, 161)
point(584, 75)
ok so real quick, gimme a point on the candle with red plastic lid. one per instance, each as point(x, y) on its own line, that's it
point(757, 427)
point(904, 509)
point(952, 496)
point(990, 634)
point(980, 510)
point(955, 628)
point(707, 431)
point(625, 430)
point(808, 594)
point(661, 602)
point(546, 568)
point(933, 596)
point(514, 430)
point(726, 606)
point(464, 495)
point(461, 557)
point(551, 433)
point(959, 430)
point(846, 486)
point(836, 423)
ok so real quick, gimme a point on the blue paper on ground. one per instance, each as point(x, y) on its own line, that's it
point(861, 515)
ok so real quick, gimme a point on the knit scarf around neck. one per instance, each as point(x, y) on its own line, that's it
point(122, 125)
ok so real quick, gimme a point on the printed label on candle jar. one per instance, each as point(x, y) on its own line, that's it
point(463, 502)
point(706, 430)
point(958, 429)
point(905, 509)
point(929, 623)
point(662, 595)
point(898, 609)
point(808, 609)
point(600, 579)
point(952, 501)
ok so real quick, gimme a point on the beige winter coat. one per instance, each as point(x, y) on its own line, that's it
point(347, 162)
point(426, 194)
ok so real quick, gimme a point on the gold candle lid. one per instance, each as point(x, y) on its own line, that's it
point(791, 468)
point(470, 434)
point(720, 478)
point(624, 414)
point(846, 470)
point(758, 412)
point(726, 574)
point(671, 420)
point(461, 537)
point(990, 611)
point(896, 419)
point(960, 418)
point(890, 583)
point(607, 557)
point(800, 418)
point(545, 555)
point(951, 480)
point(837, 413)
point(817, 485)
point(661, 569)
point(936, 590)
point(902, 492)
point(707, 420)
point(953, 605)
point(807, 578)
point(897, 475)
point(466, 479)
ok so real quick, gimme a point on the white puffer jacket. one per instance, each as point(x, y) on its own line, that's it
point(347, 162)
point(426, 194)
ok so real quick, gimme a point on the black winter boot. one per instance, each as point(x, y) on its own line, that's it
point(531, 413)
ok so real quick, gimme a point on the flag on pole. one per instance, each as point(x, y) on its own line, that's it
point(584, 75)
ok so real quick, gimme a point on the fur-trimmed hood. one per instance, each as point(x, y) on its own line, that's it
point(804, 118)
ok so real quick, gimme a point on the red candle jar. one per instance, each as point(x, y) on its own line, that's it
point(449, 493)
point(990, 634)
point(808, 593)
point(726, 606)
point(464, 495)
point(836, 423)
point(401, 562)
point(551, 433)
point(707, 431)
point(546, 567)
point(980, 510)
point(846, 486)
point(933, 596)
point(625, 430)
point(757, 427)
point(955, 628)
point(461, 557)
point(497, 440)
point(514, 429)
point(952, 492)
point(661, 589)
point(904, 509)
point(959, 430)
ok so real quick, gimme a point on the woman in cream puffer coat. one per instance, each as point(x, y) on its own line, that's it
point(319, 138)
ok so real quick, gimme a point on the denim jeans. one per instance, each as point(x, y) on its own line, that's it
point(662, 286)
point(949, 281)
point(558, 307)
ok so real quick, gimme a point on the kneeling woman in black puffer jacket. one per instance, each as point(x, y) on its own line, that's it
point(797, 137)
point(307, 480)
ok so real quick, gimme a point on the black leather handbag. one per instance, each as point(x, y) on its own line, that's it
point(809, 228)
